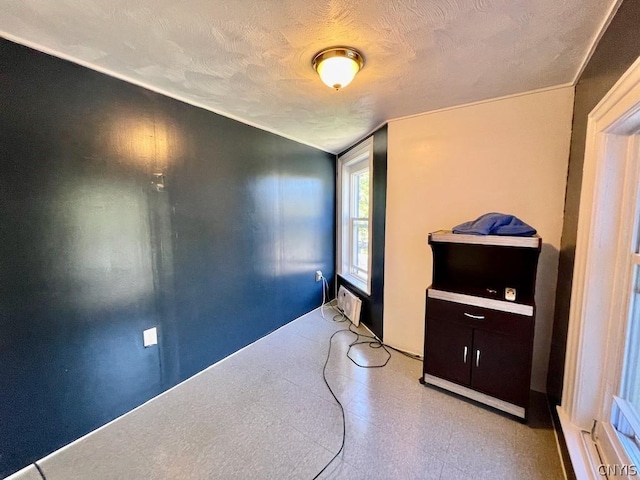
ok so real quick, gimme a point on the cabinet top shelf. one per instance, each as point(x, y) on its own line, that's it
point(447, 236)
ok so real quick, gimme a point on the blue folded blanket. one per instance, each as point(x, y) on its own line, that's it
point(496, 224)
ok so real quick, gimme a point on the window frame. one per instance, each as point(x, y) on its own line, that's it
point(601, 285)
point(356, 160)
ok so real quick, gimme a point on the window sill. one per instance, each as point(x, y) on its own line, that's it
point(581, 450)
point(356, 282)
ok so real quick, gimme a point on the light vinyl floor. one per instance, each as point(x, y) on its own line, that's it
point(265, 413)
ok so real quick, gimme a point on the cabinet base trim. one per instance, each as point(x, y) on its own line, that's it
point(477, 396)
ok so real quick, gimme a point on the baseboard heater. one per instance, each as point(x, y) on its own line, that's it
point(349, 305)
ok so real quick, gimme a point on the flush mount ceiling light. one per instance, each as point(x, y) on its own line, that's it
point(337, 66)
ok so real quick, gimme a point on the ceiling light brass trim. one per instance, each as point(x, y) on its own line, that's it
point(347, 52)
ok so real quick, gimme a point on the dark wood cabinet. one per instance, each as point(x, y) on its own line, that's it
point(478, 342)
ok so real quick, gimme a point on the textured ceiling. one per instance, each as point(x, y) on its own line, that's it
point(251, 59)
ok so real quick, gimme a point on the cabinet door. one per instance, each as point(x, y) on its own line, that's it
point(448, 350)
point(500, 366)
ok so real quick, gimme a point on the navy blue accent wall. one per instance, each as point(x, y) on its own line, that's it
point(122, 209)
point(373, 305)
point(616, 51)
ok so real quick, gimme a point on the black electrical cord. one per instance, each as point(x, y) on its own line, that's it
point(406, 354)
point(44, 477)
point(344, 423)
point(372, 342)
point(340, 317)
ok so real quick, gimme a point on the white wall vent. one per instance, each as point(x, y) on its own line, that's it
point(350, 305)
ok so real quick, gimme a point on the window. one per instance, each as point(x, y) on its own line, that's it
point(625, 409)
point(354, 225)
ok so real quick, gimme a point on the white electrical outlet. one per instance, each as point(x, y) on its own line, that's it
point(510, 294)
point(318, 275)
point(150, 337)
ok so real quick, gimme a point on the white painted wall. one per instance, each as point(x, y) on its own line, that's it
point(444, 168)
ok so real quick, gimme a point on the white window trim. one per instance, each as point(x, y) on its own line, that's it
point(352, 157)
point(600, 292)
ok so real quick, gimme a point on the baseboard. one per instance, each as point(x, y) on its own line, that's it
point(561, 442)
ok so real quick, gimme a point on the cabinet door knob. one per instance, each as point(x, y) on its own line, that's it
point(477, 358)
point(464, 355)
point(475, 317)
